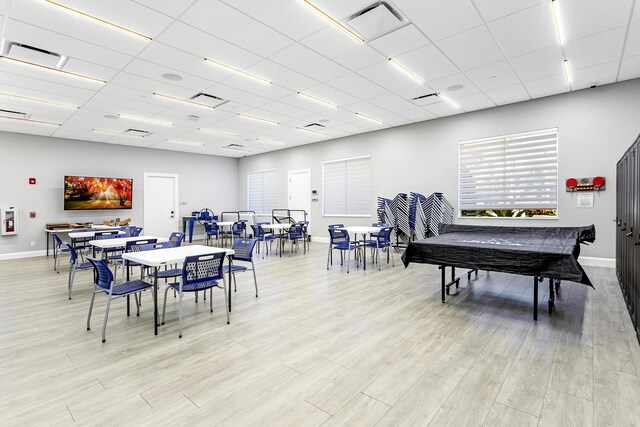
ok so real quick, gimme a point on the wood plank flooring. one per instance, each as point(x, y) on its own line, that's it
point(317, 348)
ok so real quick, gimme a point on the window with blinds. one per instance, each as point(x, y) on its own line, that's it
point(346, 187)
point(517, 173)
point(262, 191)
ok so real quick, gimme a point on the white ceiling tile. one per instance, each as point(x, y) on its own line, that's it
point(47, 76)
point(630, 68)
point(285, 110)
point(38, 88)
point(581, 18)
point(495, 9)
point(526, 31)
point(183, 62)
point(400, 41)
point(217, 18)
point(474, 102)
point(172, 8)
point(29, 128)
point(414, 92)
point(357, 86)
point(428, 63)
point(338, 10)
point(297, 101)
point(600, 74)
point(596, 49)
point(443, 109)
point(417, 114)
point(237, 95)
point(291, 18)
point(440, 19)
point(537, 65)
point(391, 102)
point(547, 86)
point(330, 94)
point(493, 76)
point(636, 13)
point(508, 95)
point(281, 75)
point(304, 60)
point(154, 72)
point(391, 119)
point(247, 84)
point(84, 68)
point(386, 75)
point(332, 44)
point(632, 47)
point(471, 49)
point(449, 85)
point(367, 108)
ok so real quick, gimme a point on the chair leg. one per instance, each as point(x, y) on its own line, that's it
point(224, 290)
point(72, 271)
point(348, 259)
point(255, 281)
point(164, 304)
point(235, 288)
point(393, 261)
point(378, 258)
point(135, 296)
point(180, 312)
point(106, 317)
point(210, 300)
point(328, 256)
point(93, 297)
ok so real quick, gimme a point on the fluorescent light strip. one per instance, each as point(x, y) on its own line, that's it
point(448, 100)
point(218, 132)
point(193, 144)
point(333, 21)
point(567, 72)
point(145, 119)
point(237, 71)
point(311, 131)
point(556, 16)
point(321, 101)
point(40, 101)
point(37, 122)
point(116, 133)
point(112, 25)
point(269, 141)
point(246, 116)
point(186, 101)
point(68, 73)
point(369, 118)
point(406, 71)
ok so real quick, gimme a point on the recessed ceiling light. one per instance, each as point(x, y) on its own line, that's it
point(335, 23)
point(117, 133)
point(218, 132)
point(190, 143)
point(237, 71)
point(102, 21)
point(567, 72)
point(448, 100)
point(321, 101)
point(454, 88)
point(44, 67)
point(260, 119)
point(39, 101)
point(145, 119)
point(362, 116)
point(111, 116)
point(556, 17)
point(186, 101)
point(36, 122)
point(172, 77)
point(406, 71)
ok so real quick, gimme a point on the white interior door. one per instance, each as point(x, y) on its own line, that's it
point(300, 193)
point(160, 204)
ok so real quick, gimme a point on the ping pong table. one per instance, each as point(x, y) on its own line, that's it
point(542, 252)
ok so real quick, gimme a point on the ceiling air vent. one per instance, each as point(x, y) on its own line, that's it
point(376, 20)
point(430, 98)
point(137, 132)
point(35, 55)
point(210, 100)
point(14, 114)
point(236, 147)
point(314, 126)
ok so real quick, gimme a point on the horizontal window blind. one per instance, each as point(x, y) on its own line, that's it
point(517, 171)
point(262, 191)
point(347, 186)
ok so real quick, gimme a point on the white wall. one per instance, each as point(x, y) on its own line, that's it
point(204, 181)
point(595, 128)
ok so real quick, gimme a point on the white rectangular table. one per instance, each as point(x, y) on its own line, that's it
point(49, 232)
point(364, 230)
point(89, 234)
point(159, 257)
point(121, 242)
point(280, 228)
point(222, 224)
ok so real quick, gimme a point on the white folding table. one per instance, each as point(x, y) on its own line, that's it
point(364, 230)
point(159, 257)
point(281, 228)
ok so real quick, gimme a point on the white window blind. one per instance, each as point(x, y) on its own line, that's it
point(347, 187)
point(262, 191)
point(517, 171)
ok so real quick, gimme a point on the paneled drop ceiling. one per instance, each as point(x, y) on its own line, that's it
point(464, 54)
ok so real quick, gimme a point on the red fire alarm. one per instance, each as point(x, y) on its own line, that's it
point(32, 181)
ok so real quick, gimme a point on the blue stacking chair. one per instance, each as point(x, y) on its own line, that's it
point(75, 264)
point(176, 239)
point(237, 229)
point(305, 233)
point(294, 234)
point(381, 241)
point(243, 249)
point(199, 273)
point(262, 236)
point(336, 225)
point(211, 229)
point(105, 284)
point(340, 240)
point(60, 248)
point(132, 246)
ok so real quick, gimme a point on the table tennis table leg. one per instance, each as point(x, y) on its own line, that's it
point(443, 282)
point(535, 298)
point(552, 295)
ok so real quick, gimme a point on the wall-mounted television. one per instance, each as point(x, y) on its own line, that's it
point(90, 192)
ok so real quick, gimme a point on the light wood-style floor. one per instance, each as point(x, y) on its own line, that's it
point(320, 347)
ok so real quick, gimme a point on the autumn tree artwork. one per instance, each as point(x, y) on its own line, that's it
point(83, 192)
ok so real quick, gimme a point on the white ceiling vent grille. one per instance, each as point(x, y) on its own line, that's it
point(35, 55)
point(376, 20)
point(210, 100)
point(314, 126)
point(14, 114)
point(137, 132)
point(428, 99)
point(236, 147)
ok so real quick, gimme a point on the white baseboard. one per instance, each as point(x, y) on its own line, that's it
point(320, 239)
point(597, 262)
point(18, 255)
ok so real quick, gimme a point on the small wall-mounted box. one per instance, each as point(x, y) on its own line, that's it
point(9, 220)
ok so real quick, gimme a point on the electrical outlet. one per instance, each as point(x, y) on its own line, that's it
point(33, 243)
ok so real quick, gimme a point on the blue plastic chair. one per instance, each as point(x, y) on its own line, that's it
point(305, 233)
point(262, 236)
point(199, 273)
point(382, 241)
point(336, 225)
point(294, 234)
point(340, 240)
point(75, 264)
point(135, 231)
point(176, 239)
point(105, 284)
point(243, 249)
point(211, 229)
point(60, 248)
point(132, 246)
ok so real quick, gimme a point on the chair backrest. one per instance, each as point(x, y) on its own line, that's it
point(57, 239)
point(211, 227)
point(100, 234)
point(336, 225)
point(176, 239)
point(295, 229)
point(104, 277)
point(73, 254)
point(305, 226)
point(135, 245)
point(153, 246)
point(238, 227)
point(384, 236)
point(258, 231)
point(202, 268)
point(338, 236)
point(243, 249)
point(135, 231)
point(113, 236)
point(379, 224)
